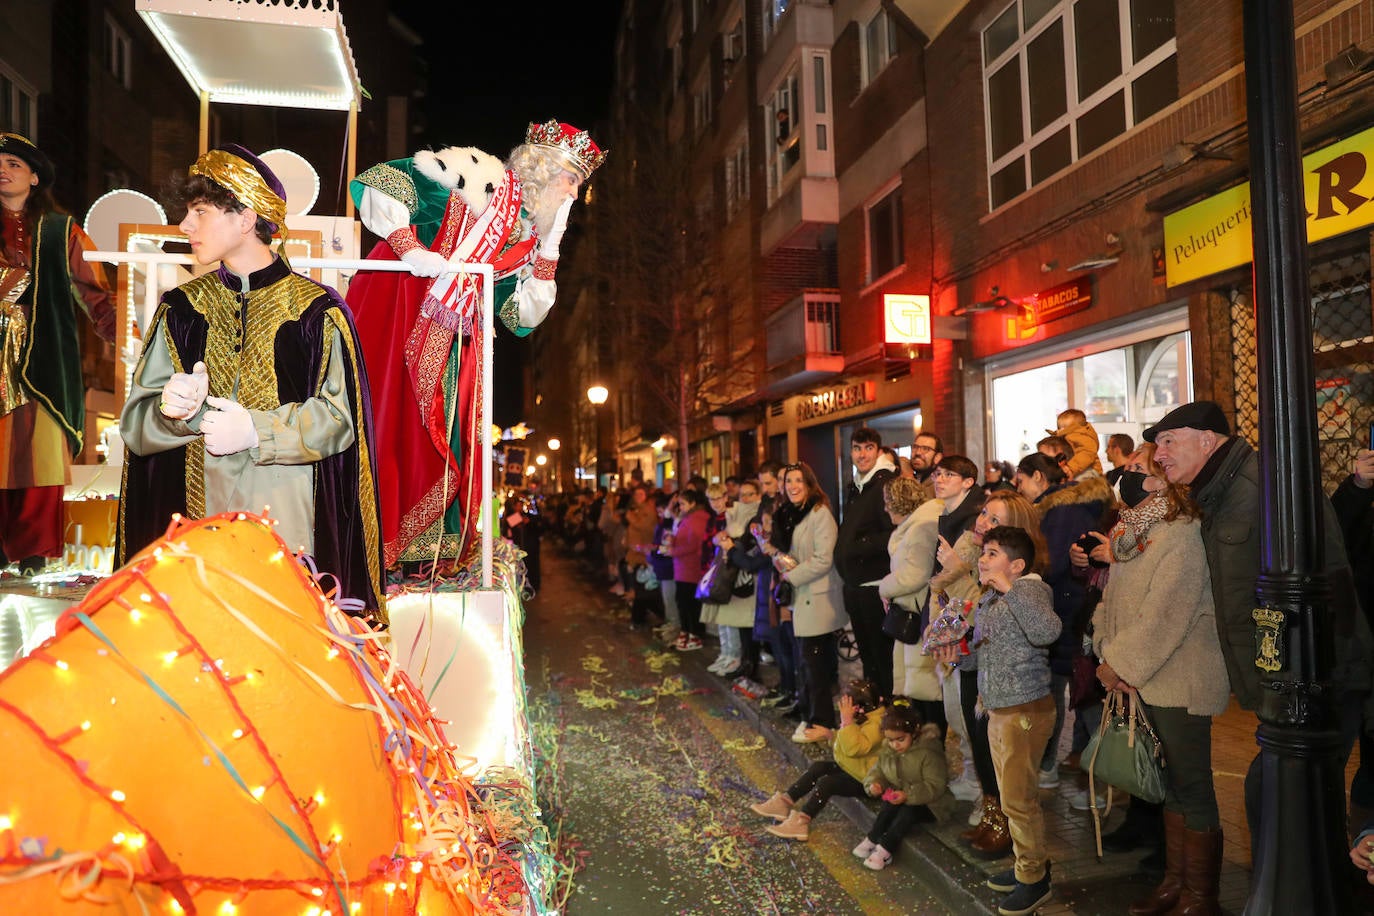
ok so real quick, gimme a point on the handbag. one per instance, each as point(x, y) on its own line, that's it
point(718, 581)
point(784, 594)
point(901, 624)
point(744, 584)
point(1126, 754)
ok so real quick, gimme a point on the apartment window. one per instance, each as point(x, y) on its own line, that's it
point(879, 45)
point(1062, 79)
point(18, 104)
point(732, 50)
point(701, 107)
point(885, 251)
point(773, 11)
point(783, 113)
point(693, 15)
point(736, 180)
point(118, 52)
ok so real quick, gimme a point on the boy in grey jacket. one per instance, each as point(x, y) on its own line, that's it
point(1016, 625)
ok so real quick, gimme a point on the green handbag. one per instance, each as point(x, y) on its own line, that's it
point(1126, 754)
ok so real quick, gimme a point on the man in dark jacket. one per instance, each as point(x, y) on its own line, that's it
point(1194, 446)
point(861, 553)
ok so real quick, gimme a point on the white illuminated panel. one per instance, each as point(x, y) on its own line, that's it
point(465, 664)
point(253, 52)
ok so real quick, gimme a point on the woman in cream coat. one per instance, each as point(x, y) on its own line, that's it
point(911, 547)
point(1156, 634)
point(804, 530)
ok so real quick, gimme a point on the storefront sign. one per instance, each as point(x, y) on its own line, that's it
point(835, 400)
point(907, 319)
point(1059, 301)
point(1215, 234)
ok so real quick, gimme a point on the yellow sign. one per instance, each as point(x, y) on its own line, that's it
point(1215, 234)
point(906, 319)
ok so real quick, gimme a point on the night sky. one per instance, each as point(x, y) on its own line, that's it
point(487, 91)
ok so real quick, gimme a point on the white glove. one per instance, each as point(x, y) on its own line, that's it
point(132, 352)
point(183, 394)
point(425, 263)
point(548, 249)
point(228, 428)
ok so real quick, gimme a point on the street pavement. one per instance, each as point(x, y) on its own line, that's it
point(657, 760)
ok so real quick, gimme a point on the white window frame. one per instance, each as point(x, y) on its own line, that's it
point(118, 52)
point(893, 189)
point(786, 96)
point(732, 40)
point(701, 106)
point(876, 59)
point(20, 91)
point(737, 178)
point(1075, 108)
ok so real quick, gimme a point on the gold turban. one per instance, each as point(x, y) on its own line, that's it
point(242, 180)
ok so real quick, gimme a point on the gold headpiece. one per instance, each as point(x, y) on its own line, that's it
point(576, 147)
point(241, 179)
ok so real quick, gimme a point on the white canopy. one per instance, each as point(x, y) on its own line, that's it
point(283, 53)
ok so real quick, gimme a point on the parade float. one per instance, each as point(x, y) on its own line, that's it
point(204, 730)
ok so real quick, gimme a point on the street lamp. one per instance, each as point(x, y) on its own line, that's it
point(598, 394)
point(541, 460)
point(555, 444)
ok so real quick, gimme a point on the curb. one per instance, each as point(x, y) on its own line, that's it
point(952, 881)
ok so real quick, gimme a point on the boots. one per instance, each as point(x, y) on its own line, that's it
point(981, 827)
point(1163, 898)
point(794, 828)
point(996, 839)
point(777, 807)
point(1201, 873)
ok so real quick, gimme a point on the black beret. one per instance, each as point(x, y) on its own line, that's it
point(22, 147)
point(1197, 415)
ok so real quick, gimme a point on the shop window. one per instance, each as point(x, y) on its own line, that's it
point(1121, 388)
point(885, 248)
point(1062, 79)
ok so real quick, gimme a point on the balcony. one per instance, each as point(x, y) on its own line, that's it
point(805, 214)
point(802, 344)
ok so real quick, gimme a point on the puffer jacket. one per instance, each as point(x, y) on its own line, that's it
point(1068, 512)
point(922, 772)
point(911, 551)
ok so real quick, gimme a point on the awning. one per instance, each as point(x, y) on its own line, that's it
point(257, 52)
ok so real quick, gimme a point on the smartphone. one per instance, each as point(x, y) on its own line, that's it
point(1371, 436)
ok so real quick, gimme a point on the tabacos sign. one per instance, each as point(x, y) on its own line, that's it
point(1215, 234)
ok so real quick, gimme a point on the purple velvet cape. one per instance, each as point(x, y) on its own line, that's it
point(155, 485)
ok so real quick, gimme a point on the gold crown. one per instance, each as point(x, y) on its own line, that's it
point(576, 146)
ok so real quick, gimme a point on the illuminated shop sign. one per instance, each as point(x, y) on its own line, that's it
point(1215, 234)
point(1050, 305)
point(906, 319)
point(834, 400)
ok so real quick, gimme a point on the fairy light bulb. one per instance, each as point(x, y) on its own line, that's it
point(118, 795)
point(6, 823)
point(227, 908)
point(259, 792)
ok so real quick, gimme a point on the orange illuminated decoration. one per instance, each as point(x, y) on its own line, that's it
point(210, 733)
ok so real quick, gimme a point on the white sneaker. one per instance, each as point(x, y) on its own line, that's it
point(966, 787)
point(766, 658)
point(1049, 779)
point(976, 816)
point(878, 859)
point(799, 735)
point(1078, 801)
point(865, 848)
point(717, 666)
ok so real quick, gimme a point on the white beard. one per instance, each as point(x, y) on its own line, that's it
point(544, 208)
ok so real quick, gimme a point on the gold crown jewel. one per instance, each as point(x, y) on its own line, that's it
point(575, 145)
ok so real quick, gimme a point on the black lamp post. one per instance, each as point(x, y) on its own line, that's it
point(1301, 864)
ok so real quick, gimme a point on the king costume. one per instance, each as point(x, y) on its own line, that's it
point(285, 348)
point(421, 337)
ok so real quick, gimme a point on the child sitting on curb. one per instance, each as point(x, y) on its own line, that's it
point(856, 750)
point(1016, 625)
point(910, 776)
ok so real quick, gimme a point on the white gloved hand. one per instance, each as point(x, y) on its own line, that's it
point(132, 352)
point(548, 248)
point(425, 263)
point(228, 428)
point(183, 394)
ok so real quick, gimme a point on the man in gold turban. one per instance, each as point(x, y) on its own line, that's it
point(251, 391)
